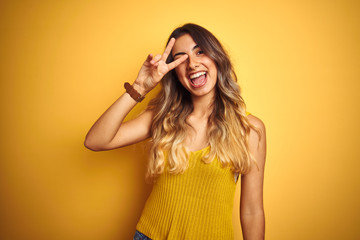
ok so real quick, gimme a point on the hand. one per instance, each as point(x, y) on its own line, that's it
point(155, 68)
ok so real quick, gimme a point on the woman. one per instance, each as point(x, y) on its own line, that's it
point(202, 139)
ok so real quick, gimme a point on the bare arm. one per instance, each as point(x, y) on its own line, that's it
point(252, 215)
point(109, 131)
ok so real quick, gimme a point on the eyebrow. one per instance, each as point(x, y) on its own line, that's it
point(182, 53)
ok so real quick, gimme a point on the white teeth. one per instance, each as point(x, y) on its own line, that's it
point(195, 75)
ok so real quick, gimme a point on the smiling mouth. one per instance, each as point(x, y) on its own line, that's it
point(198, 79)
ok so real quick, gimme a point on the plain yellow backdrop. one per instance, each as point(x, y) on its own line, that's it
point(63, 63)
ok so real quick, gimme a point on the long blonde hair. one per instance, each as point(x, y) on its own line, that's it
point(229, 127)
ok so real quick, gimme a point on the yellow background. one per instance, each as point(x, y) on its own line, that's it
point(63, 63)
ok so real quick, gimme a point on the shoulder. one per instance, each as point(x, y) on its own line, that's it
point(257, 122)
point(257, 137)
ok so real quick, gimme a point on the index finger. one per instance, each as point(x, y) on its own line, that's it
point(168, 49)
point(177, 62)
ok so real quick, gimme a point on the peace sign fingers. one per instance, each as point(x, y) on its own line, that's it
point(166, 53)
point(159, 61)
point(155, 68)
point(164, 56)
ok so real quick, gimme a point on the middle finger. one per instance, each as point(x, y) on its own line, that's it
point(168, 49)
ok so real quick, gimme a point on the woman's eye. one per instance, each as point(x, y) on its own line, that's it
point(200, 52)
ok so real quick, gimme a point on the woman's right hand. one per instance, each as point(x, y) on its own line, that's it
point(155, 68)
point(109, 131)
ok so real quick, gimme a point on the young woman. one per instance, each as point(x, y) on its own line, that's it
point(202, 138)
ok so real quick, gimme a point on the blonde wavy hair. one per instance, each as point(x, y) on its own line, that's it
point(229, 127)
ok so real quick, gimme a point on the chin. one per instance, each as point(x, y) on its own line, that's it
point(202, 93)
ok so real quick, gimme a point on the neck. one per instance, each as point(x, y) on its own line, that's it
point(202, 105)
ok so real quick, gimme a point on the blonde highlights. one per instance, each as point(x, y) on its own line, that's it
point(229, 127)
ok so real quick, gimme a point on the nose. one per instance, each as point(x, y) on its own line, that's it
point(192, 63)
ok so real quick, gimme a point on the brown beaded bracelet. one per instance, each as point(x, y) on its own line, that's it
point(133, 93)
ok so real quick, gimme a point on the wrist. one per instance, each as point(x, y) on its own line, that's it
point(133, 92)
point(139, 89)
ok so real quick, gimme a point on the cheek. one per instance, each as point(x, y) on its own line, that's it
point(215, 73)
point(210, 64)
point(213, 69)
point(180, 72)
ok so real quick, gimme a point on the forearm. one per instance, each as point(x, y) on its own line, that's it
point(253, 226)
point(105, 128)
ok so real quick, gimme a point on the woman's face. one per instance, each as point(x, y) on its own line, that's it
point(198, 73)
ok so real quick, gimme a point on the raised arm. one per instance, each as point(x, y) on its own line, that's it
point(252, 216)
point(109, 131)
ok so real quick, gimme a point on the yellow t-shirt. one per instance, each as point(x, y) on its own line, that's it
point(197, 204)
